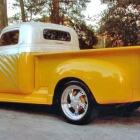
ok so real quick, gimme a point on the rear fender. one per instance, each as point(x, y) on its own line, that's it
point(109, 83)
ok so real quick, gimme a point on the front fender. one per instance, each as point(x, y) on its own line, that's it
point(109, 83)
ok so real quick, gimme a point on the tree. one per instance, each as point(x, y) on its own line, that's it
point(120, 22)
point(87, 38)
point(22, 10)
point(55, 12)
point(3, 14)
point(30, 9)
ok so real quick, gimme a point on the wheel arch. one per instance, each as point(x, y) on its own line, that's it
point(62, 82)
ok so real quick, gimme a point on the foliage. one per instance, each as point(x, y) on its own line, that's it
point(120, 22)
point(33, 9)
point(72, 9)
point(87, 38)
point(40, 8)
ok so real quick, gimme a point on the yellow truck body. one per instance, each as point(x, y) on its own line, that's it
point(112, 75)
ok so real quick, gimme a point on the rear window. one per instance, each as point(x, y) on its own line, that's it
point(56, 35)
point(9, 38)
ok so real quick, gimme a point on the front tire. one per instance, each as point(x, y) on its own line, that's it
point(77, 104)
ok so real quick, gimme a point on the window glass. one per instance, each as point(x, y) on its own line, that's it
point(9, 38)
point(56, 35)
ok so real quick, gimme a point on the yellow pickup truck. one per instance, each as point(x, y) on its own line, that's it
point(41, 63)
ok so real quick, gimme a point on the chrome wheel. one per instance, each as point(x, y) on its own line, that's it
point(74, 102)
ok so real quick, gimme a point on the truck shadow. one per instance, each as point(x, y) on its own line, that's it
point(29, 108)
point(105, 116)
point(118, 117)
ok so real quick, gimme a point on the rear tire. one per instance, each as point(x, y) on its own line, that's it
point(77, 104)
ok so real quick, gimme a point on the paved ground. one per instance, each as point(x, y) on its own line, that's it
point(22, 122)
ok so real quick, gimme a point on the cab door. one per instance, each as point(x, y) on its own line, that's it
point(9, 61)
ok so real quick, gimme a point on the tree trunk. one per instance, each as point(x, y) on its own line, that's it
point(55, 12)
point(22, 10)
point(3, 14)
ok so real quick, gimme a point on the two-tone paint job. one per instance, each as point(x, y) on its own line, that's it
point(31, 70)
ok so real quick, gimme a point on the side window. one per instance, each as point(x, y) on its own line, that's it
point(9, 38)
point(56, 35)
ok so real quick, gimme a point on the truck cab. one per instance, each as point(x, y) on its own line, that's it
point(47, 36)
point(27, 38)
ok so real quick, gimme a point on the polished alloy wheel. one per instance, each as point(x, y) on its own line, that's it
point(74, 102)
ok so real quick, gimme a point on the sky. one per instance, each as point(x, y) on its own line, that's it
point(93, 8)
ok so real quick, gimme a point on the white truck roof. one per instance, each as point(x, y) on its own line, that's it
point(38, 24)
point(32, 34)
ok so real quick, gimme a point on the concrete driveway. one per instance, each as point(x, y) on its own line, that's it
point(32, 122)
